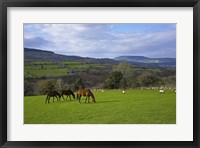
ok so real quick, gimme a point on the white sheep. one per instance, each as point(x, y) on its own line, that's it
point(123, 92)
point(161, 91)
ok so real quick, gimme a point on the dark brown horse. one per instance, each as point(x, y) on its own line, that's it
point(52, 94)
point(86, 93)
point(68, 93)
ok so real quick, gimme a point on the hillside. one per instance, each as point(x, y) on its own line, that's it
point(141, 60)
point(35, 55)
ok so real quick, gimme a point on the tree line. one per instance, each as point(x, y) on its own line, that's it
point(121, 76)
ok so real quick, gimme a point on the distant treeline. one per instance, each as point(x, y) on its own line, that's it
point(95, 75)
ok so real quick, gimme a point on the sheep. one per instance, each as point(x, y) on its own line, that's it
point(161, 91)
point(123, 92)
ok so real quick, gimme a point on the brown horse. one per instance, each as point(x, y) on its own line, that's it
point(86, 93)
point(52, 94)
point(68, 93)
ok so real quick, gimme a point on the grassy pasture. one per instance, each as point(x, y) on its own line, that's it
point(48, 72)
point(58, 69)
point(53, 69)
point(112, 107)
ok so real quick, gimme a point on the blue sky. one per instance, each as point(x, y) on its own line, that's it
point(103, 40)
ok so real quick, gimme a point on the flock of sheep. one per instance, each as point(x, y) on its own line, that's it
point(161, 90)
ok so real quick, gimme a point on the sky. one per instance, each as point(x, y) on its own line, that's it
point(103, 40)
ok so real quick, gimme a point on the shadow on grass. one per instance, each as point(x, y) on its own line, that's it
point(108, 101)
point(61, 101)
point(83, 101)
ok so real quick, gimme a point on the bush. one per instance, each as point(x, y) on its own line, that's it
point(47, 85)
point(148, 79)
point(113, 82)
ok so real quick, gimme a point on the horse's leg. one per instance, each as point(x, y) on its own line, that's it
point(53, 98)
point(79, 98)
point(46, 99)
point(49, 99)
point(89, 99)
point(86, 99)
point(57, 98)
point(70, 97)
point(63, 97)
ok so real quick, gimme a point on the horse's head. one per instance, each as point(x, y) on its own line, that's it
point(93, 99)
point(92, 95)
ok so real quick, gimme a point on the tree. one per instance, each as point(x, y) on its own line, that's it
point(59, 85)
point(28, 88)
point(148, 79)
point(79, 83)
point(47, 85)
point(123, 83)
point(124, 68)
point(109, 83)
point(113, 82)
point(128, 74)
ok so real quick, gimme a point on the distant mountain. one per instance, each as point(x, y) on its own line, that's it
point(141, 60)
point(35, 55)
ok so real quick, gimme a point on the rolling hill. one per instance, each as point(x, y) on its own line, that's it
point(35, 55)
point(161, 62)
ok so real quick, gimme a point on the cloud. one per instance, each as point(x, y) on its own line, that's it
point(37, 42)
point(101, 40)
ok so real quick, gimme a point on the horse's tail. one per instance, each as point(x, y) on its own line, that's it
point(92, 95)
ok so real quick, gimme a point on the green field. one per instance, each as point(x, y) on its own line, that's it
point(56, 69)
point(112, 107)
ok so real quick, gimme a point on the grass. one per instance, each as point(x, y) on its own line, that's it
point(112, 107)
point(48, 72)
point(58, 69)
point(72, 63)
point(50, 69)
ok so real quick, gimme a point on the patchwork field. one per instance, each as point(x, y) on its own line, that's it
point(112, 107)
point(56, 69)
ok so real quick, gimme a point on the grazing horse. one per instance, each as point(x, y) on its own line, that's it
point(68, 93)
point(86, 93)
point(52, 94)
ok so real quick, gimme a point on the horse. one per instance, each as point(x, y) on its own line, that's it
point(68, 93)
point(86, 93)
point(52, 94)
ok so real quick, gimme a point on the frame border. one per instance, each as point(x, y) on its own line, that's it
point(99, 3)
